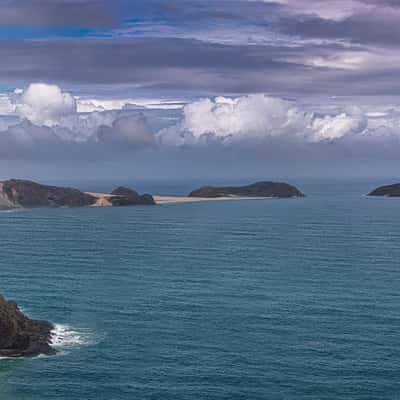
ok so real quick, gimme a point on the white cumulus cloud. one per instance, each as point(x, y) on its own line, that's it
point(45, 104)
point(258, 117)
point(45, 114)
point(329, 127)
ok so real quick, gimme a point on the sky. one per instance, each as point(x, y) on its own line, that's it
point(210, 89)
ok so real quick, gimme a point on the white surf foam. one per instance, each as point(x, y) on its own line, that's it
point(12, 210)
point(64, 336)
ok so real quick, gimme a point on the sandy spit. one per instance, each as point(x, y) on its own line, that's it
point(103, 199)
point(184, 199)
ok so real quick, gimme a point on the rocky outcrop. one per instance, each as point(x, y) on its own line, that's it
point(388, 191)
point(259, 189)
point(123, 196)
point(21, 336)
point(16, 193)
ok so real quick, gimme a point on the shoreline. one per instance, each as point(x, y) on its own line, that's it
point(103, 199)
point(185, 199)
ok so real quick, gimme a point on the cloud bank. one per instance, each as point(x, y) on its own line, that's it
point(42, 116)
point(259, 117)
point(131, 130)
point(44, 124)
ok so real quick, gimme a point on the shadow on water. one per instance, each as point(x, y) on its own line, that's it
point(7, 367)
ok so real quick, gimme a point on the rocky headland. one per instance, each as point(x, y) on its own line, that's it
point(21, 336)
point(123, 196)
point(18, 193)
point(258, 189)
point(387, 191)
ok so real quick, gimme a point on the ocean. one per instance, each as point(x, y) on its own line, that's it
point(257, 299)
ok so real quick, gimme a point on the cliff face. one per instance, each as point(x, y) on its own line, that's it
point(123, 196)
point(24, 193)
point(259, 189)
point(388, 191)
point(21, 336)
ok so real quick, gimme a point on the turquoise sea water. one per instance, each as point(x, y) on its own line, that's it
point(275, 299)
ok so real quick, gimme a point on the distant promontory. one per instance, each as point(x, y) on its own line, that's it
point(258, 189)
point(387, 191)
point(19, 193)
point(21, 336)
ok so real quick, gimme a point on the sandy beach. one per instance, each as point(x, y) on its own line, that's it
point(103, 199)
point(185, 199)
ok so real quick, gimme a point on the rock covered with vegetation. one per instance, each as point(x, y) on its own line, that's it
point(123, 196)
point(15, 193)
point(258, 189)
point(388, 191)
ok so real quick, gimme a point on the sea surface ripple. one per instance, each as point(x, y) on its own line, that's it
point(278, 299)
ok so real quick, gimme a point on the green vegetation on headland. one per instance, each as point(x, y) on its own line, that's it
point(258, 189)
point(387, 191)
point(17, 193)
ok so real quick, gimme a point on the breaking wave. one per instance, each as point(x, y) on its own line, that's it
point(65, 337)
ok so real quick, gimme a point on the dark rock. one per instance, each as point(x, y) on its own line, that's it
point(21, 336)
point(259, 189)
point(24, 193)
point(388, 191)
point(124, 191)
point(123, 196)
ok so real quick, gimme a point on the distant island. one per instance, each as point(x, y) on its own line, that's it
point(18, 193)
point(387, 191)
point(21, 193)
point(258, 189)
point(21, 336)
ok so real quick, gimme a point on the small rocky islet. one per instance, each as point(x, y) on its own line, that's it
point(387, 191)
point(21, 336)
point(123, 196)
point(258, 189)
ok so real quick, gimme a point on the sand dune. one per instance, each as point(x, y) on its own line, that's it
point(102, 199)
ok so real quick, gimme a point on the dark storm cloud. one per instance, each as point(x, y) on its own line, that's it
point(108, 14)
point(50, 13)
point(377, 23)
point(239, 11)
point(165, 62)
point(381, 3)
point(174, 64)
point(209, 46)
point(373, 27)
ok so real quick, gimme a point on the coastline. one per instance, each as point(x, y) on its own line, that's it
point(22, 193)
point(185, 199)
point(103, 199)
